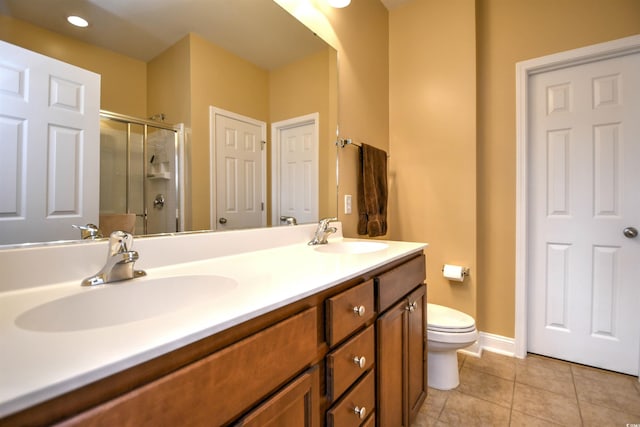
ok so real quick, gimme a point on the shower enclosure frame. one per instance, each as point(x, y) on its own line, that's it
point(178, 161)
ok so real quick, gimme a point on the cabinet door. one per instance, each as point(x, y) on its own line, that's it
point(296, 405)
point(402, 380)
point(417, 351)
point(220, 387)
point(390, 351)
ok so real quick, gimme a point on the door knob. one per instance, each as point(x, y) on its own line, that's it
point(630, 232)
point(222, 220)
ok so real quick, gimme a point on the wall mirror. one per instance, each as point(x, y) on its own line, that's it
point(179, 55)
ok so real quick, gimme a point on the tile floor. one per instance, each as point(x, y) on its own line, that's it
point(497, 390)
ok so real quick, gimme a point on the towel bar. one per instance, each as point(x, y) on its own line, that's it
point(342, 142)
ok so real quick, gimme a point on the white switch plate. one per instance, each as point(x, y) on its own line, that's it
point(347, 203)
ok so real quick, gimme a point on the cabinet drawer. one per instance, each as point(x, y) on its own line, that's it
point(371, 421)
point(362, 397)
point(218, 388)
point(349, 310)
point(396, 283)
point(344, 365)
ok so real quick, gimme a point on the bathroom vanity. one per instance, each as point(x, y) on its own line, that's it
point(304, 336)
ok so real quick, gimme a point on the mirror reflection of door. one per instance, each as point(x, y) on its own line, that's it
point(49, 165)
point(238, 167)
point(295, 169)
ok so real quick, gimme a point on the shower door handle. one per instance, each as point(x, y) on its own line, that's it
point(158, 202)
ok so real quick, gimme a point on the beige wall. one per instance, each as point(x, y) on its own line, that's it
point(169, 83)
point(123, 79)
point(432, 144)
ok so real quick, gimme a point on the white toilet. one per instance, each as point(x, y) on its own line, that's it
point(448, 330)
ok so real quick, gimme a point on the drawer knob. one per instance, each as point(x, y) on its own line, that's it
point(412, 307)
point(360, 361)
point(360, 412)
point(359, 310)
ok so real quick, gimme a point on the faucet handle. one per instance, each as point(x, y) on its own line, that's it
point(120, 242)
point(324, 222)
point(290, 220)
point(89, 231)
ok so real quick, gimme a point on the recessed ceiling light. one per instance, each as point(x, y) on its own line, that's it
point(77, 21)
point(339, 3)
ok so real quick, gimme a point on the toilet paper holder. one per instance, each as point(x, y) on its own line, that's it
point(465, 270)
point(455, 272)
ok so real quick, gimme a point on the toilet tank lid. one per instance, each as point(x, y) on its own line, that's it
point(441, 317)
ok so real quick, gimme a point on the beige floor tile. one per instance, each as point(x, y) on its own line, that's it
point(494, 364)
point(599, 416)
point(612, 378)
point(609, 390)
point(519, 419)
point(486, 386)
point(545, 373)
point(434, 402)
point(465, 410)
point(461, 359)
point(543, 392)
point(425, 422)
point(545, 404)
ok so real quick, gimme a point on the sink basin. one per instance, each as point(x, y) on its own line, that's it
point(124, 302)
point(352, 247)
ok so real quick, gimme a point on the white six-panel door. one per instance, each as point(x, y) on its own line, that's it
point(49, 147)
point(584, 198)
point(238, 171)
point(295, 169)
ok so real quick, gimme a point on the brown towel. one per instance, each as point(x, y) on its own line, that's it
point(372, 192)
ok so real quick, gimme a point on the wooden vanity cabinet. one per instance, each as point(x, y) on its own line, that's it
point(215, 390)
point(402, 347)
point(350, 355)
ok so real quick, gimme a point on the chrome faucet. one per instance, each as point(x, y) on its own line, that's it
point(323, 231)
point(290, 220)
point(120, 261)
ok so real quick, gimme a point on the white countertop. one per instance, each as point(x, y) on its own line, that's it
point(36, 365)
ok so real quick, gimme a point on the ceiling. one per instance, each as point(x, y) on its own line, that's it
point(142, 28)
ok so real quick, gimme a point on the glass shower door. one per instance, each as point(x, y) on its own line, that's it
point(139, 189)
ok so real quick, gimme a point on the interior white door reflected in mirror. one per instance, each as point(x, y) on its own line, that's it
point(49, 155)
point(239, 165)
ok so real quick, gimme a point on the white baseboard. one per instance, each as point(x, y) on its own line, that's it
point(493, 343)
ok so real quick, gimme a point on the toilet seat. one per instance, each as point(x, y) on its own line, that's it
point(448, 320)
